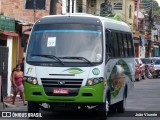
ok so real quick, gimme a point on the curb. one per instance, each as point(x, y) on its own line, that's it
point(9, 105)
point(2, 106)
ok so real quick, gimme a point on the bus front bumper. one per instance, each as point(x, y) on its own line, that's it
point(86, 94)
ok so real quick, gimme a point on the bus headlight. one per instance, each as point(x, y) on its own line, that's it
point(93, 81)
point(31, 80)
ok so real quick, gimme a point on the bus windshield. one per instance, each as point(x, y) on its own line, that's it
point(66, 42)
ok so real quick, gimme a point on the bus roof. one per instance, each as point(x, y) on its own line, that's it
point(86, 18)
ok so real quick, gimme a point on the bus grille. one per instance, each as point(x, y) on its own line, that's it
point(73, 85)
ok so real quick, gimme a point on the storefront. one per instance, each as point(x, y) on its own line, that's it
point(8, 51)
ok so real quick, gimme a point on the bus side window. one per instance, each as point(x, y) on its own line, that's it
point(130, 46)
point(109, 47)
point(125, 45)
point(115, 44)
point(121, 45)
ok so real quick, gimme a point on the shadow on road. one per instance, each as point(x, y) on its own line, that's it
point(73, 116)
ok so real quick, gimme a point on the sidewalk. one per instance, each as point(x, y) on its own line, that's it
point(9, 99)
point(8, 102)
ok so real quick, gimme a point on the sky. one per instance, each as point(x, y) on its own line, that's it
point(158, 1)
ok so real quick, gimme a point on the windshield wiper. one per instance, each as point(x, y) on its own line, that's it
point(78, 58)
point(49, 56)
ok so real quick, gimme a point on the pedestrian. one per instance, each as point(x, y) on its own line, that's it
point(17, 83)
point(11, 78)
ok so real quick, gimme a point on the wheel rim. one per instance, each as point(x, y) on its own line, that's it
point(107, 106)
point(124, 104)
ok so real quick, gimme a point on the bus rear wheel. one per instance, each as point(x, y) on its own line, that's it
point(121, 106)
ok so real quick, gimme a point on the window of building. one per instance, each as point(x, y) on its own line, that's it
point(39, 4)
point(3, 42)
point(130, 11)
point(117, 6)
point(79, 6)
point(93, 2)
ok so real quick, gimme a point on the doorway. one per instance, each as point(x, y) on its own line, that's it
point(4, 68)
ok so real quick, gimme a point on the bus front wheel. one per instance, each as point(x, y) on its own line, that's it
point(103, 110)
point(33, 108)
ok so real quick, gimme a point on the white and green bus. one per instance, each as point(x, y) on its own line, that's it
point(79, 62)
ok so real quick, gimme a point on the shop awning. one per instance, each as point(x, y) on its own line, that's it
point(13, 34)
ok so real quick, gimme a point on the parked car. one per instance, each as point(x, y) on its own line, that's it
point(156, 68)
point(155, 58)
point(139, 69)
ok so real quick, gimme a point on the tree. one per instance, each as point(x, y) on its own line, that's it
point(156, 8)
point(157, 12)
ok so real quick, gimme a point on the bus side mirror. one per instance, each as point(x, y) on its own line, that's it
point(23, 43)
point(24, 38)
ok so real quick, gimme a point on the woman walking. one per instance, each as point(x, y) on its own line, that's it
point(18, 83)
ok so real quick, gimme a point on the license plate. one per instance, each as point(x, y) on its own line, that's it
point(60, 91)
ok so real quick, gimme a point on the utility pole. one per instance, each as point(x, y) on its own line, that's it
point(150, 29)
point(138, 3)
point(53, 7)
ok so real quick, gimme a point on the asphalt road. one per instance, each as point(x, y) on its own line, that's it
point(143, 100)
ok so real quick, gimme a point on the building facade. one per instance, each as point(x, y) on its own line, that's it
point(17, 9)
point(126, 10)
point(12, 40)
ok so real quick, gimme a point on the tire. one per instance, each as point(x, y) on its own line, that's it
point(103, 111)
point(104, 108)
point(121, 106)
point(33, 108)
point(112, 108)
